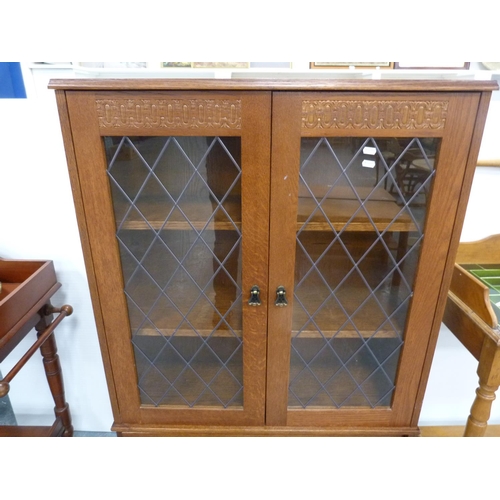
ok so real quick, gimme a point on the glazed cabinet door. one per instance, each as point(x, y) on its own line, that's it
point(364, 198)
point(175, 190)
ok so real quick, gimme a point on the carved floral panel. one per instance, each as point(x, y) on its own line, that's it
point(359, 114)
point(169, 113)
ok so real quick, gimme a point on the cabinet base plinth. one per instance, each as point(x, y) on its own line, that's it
point(219, 431)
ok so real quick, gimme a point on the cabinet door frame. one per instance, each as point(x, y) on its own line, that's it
point(93, 115)
point(292, 119)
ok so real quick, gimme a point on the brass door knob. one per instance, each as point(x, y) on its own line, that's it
point(254, 296)
point(281, 297)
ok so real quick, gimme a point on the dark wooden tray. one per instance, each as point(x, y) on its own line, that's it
point(26, 287)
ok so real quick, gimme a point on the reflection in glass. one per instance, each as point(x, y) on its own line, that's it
point(177, 203)
point(360, 226)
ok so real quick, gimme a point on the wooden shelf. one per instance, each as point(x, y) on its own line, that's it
point(344, 334)
point(339, 208)
point(305, 334)
point(205, 332)
point(340, 203)
point(179, 225)
point(340, 212)
point(199, 211)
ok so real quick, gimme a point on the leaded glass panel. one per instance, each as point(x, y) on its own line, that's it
point(177, 203)
point(360, 226)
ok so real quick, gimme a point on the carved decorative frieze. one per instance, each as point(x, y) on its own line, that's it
point(352, 114)
point(169, 113)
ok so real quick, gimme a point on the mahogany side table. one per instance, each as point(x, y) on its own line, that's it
point(25, 293)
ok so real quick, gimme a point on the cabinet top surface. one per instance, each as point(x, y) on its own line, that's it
point(272, 84)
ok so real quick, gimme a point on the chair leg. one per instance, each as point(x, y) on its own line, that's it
point(489, 381)
point(480, 411)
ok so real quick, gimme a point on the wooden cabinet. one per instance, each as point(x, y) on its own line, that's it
point(269, 257)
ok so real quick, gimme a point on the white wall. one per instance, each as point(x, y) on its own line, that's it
point(37, 221)
point(453, 380)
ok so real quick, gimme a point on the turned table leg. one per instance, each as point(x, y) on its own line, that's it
point(489, 381)
point(53, 372)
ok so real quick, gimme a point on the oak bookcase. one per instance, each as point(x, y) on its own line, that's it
point(269, 257)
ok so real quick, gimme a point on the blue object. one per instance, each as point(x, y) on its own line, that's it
point(11, 81)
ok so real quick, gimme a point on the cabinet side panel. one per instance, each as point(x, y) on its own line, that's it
point(440, 227)
point(473, 153)
point(83, 229)
point(101, 246)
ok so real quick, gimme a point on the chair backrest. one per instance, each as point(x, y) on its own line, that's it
point(485, 251)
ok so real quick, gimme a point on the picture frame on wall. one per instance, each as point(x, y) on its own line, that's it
point(220, 65)
point(176, 64)
point(205, 65)
point(431, 65)
point(347, 65)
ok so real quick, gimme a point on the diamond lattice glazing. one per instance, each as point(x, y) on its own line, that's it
point(178, 211)
point(359, 232)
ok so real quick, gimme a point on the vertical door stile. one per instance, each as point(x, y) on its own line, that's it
point(284, 194)
point(256, 161)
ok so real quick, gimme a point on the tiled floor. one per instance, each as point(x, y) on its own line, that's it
point(6, 414)
point(7, 417)
point(93, 434)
